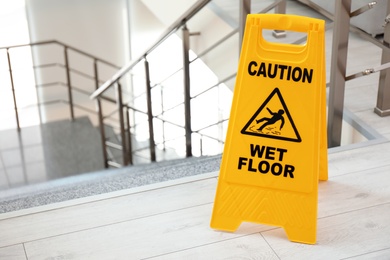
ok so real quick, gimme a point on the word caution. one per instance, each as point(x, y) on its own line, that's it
point(285, 72)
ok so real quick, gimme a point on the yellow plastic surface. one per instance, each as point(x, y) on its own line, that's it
point(276, 147)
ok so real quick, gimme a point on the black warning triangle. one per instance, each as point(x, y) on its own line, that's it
point(273, 120)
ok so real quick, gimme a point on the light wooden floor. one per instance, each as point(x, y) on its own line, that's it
point(171, 220)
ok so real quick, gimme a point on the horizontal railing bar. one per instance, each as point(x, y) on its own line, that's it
point(48, 65)
point(168, 140)
point(270, 7)
point(369, 38)
point(49, 84)
point(52, 84)
point(50, 102)
point(64, 45)
point(216, 85)
point(362, 9)
point(65, 102)
point(216, 139)
point(168, 77)
point(169, 122)
point(177, 105)
point(215, 45)
point(318, 9)
point(369, 71)
point(214, 124)
point(109, 115)
point(172, 29)
point(61, 66)
point(28, 44)
point(171, 108)
point(141, 149)
point(58, 101)
point(114, 164)
point(84, 108)
point(82, 91)
point(85, 75)
point(114, 145)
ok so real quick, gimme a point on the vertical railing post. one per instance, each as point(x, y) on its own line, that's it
point(162, 114)
point(119, 102)
point(383, 99)
point(187, 97)
point(338, 71)
point(150, 113)
point(13, 90)
point(129, 143)
point(201, 145)
point(280, 9)
point(100, 116)
point(68, 82)
point(245, 9)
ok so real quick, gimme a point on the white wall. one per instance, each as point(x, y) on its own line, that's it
point(98, 27)
point(95, 26)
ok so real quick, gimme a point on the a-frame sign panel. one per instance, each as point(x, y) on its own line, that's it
point(275, 149)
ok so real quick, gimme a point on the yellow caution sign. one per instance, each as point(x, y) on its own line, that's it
point(276, 147)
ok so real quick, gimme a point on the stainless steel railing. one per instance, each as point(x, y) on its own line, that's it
point(64, 81)
point(131, 115)
point(153, 117)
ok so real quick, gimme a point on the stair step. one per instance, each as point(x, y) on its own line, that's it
point(104, 181)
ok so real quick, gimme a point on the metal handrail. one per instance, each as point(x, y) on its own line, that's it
point(116, 80)
point(71, 88)
point(64, 45)
point(122, 108)
point(172, 29)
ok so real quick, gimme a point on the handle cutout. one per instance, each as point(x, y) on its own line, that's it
point(291, 37)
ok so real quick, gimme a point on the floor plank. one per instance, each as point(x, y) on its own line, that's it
point(339, 236)
point(359, 159)
point(15, 252)
point(378, 255)
point(139, 238)
point(185, 227)
point(354, 191)
point(246, 247)
point(86, 216)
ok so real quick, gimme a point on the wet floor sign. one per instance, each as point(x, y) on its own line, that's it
point(275, 150)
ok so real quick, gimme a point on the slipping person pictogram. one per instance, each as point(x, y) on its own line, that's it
point(263, 125)
point(270, 121)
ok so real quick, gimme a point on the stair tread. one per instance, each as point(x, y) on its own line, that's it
point(105, 181)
